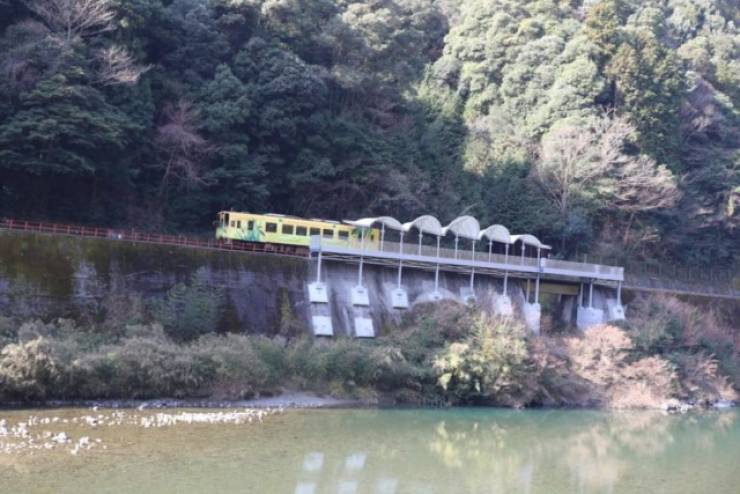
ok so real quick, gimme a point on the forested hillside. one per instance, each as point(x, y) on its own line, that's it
point(608, 126)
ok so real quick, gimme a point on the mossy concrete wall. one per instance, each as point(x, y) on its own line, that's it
point(56, 276)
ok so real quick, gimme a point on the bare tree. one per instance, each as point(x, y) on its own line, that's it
point(70, 19)
point(569, 163)
point(181, 148)
point(118, 67)
point(590, 160)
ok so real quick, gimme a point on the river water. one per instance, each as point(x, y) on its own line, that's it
point(373, 451)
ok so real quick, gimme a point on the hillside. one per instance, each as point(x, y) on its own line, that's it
point(606, 127)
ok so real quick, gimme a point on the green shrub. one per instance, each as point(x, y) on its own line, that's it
point(488, 366)
point(190, 310)
point(28, 371)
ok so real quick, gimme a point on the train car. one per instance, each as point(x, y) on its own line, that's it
point(281, 230)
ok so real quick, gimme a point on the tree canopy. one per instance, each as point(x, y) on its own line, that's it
point(599, 125)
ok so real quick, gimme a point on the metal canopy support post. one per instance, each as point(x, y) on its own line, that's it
point(362, 251)
point(382, 235)
point(472, 272)
point(527, 294)
point(436, 271)
point(580, 295)
point(619, 293)
point(490, 245)
point(506, 272)
point(421, 235)
point(318, 268)
point(591, 294)
point(400, 261)
point(537, 283)
point(524, 247)
point(456, 239)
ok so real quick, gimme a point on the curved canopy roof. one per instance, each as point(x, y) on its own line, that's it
point(496, 233)
point(463, 226)
point(387, 221)
point(531, 240)
point(425, 224)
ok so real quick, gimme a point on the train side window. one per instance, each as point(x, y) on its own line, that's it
point(271, 227)
point(250, 225)
point(315, 231)
point(226, 219)
point(301, 230)
point(233, 224)
point(238, 223)
point(343, 235)
point(287, 229)
point(328, 233)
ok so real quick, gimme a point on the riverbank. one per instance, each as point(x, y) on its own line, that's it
point(666, 357)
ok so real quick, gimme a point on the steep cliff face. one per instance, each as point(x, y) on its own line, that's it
point(45, 276)
point(54, 276)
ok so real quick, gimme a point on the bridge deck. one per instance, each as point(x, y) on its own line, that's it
point(463, 261)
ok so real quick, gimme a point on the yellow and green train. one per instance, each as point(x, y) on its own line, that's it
point(280, 230)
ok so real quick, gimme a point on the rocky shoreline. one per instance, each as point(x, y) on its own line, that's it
point(301, 400)
point(282, 401)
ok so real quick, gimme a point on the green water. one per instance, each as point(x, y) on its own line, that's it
point(394, 452)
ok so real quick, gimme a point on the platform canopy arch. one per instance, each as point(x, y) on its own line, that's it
point(385, 221)
point(496, 233)
point(425, 224)
point(463, 226)
point(531, 240)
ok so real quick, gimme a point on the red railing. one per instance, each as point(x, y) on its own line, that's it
point(131, 235)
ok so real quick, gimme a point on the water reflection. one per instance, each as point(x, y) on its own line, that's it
point(461, 451)
point(525, 452)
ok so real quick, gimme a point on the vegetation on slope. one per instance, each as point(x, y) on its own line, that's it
point(444, 354)
point(595, 124)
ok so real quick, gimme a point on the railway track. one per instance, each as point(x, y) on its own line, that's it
point(131, 235)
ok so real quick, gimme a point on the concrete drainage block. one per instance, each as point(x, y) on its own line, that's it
point(317, 293)
point(364, 327)
point(400, 298)
point(360, 296)
point(532, 315)
point(322, 326)
point(502, 306)
point(467, 294)
point(615, 310)
point(587, 317)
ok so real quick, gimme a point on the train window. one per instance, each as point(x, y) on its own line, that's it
point(250, 225)
point(226, 220)
point(271, 227)
point(315, 231)
point(301, 230)
point(328, 233)
point(233, 224)
point(238, 223)
point(343, 235)
point(288, 229)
